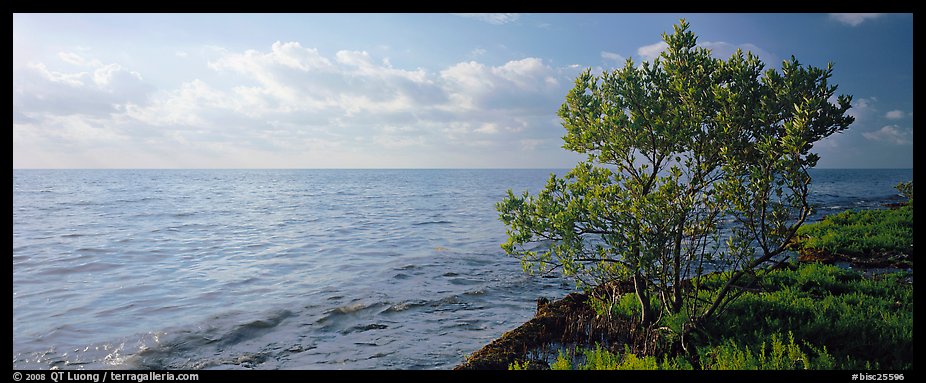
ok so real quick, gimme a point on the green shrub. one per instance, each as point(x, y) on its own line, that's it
point(563, 362)
point(834, 318)
point(601, 359)
point(859, 233)
point(776, 355)
point(859, 319)
point(906, 189)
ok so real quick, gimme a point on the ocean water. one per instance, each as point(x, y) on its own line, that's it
point(283, 269)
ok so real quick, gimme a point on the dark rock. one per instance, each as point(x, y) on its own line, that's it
point(566, 321)
point(541, 303)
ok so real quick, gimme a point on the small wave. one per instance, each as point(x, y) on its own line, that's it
point(399, 307)
point(95, 356)
point(437, 304)
point(381, 355)
point(475, 292)
point(96, 250)
point(210, 346)
point(242, 282)
point(88, 267)
point(432, 223)
point(133, 200)
point(335, 315)
point(473, 324)
point(465, 282)
point(364, 328)
point(349, 308)
point(451, 300)
point(255, 328)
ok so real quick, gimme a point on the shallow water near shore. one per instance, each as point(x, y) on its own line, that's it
point(283, 269)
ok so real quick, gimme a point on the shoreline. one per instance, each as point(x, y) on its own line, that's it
point(572, 321)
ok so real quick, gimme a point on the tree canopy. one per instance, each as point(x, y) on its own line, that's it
point(694, 164)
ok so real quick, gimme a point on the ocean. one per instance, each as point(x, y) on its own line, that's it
point(285, 269)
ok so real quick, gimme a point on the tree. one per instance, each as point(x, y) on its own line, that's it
point(694, 164)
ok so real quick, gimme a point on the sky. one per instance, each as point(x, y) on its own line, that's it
point(396, 90)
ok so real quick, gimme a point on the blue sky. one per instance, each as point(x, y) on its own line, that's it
point(395, 90)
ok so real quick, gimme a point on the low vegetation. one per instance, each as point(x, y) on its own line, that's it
point(880, 237)
point(811, 316)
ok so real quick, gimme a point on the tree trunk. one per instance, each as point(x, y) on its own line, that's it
point(639, 287)
point(677, 271)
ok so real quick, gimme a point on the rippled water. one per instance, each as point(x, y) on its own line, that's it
point(282, 269)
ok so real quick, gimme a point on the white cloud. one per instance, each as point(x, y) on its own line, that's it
point(182, 108)
point(650, 52)
point(531, 144)
point(864, 103)
point(525, 83)
point(76, 59)
point(94, 89)
point(364, 66)
point(76, 130)
point(892, 134)
point(469, 75)
point(525, 73)
point(106, 75)
point(290, 54)
point(71, 79)
point(477, 52)
point(894, 114)
point(862, 108)
point(488, 128)
point(492, 18)
point(398, 142)
point(286, 105)
point(611, 56)
point(854, 19)
point(291, 78)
